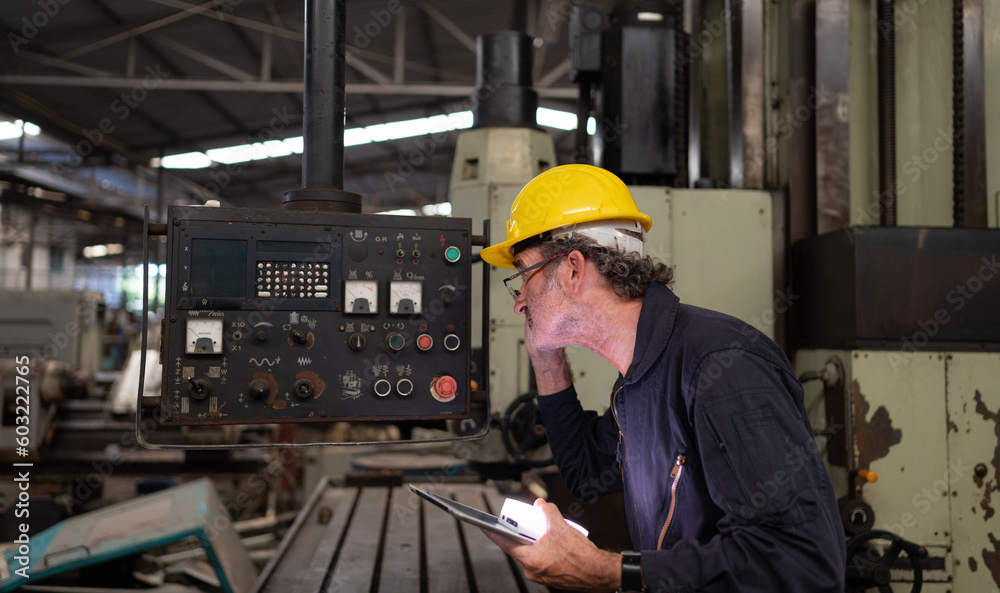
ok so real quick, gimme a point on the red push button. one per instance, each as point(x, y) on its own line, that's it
point(445, 387)
point(424, 342)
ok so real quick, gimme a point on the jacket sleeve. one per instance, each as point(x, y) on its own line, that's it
point(584, 445)
point(779, 529)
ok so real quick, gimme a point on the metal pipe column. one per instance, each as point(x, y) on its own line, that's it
point(323, 99)
point(323, 113)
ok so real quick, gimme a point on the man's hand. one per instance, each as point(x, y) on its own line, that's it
point(563, 557)
point(552, 372)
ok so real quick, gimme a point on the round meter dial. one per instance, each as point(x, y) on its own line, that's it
point(405, 298)
point(204, 336)
point(361, 296)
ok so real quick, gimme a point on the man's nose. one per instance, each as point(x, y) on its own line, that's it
point(520, 306)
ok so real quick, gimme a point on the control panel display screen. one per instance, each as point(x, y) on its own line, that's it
point(218, 267)
point(283, 316)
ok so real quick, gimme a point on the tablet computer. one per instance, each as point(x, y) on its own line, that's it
point(473, 516)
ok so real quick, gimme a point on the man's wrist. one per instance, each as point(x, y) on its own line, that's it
point(552, 372)
point(632, 579)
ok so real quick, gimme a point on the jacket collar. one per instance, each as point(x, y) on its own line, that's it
point(656, 324)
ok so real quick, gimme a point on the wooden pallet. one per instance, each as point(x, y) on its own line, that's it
point(389, 539)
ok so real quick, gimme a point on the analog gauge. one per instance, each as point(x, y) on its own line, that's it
point(361, 296)
point(404, 297)
point(204, 336)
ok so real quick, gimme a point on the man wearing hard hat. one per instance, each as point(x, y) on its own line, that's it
point(706, 435)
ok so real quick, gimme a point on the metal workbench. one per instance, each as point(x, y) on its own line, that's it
point(350, 539)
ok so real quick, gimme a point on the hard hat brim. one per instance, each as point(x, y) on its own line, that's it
point(502, 254)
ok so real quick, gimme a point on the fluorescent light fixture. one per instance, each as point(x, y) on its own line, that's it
point(242, 153)
point(9, 130)
point(403, 212)
point(17, 128)
point(230, 154)
point(442, 209)
point(356, 136)
point(187, 160)
point(276, 148)
point(650, 16)
point(93, 251)
point(553, 118)
point(562, 120)
point(436, 124)
point(154, 270)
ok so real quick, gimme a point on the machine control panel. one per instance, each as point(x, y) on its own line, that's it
point(284, 316)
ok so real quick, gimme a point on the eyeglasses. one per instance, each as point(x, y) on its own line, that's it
point(515, 293)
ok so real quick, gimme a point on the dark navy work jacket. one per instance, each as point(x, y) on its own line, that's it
point(755, 508)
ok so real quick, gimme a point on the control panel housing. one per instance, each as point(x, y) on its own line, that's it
point(294, 316)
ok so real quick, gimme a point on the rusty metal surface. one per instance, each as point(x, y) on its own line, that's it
point(989, 486)
point(973, 401)
point(872, 438)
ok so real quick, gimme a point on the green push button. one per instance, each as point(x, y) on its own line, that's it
point(452, 254)
point(395, 341)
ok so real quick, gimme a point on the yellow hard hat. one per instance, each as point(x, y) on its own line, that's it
point(563, 196)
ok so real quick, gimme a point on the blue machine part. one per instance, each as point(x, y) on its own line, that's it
point(192, 509)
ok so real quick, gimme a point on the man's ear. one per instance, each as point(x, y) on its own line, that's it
point(577, 270)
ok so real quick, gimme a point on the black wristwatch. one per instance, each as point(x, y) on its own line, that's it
point(632, 571)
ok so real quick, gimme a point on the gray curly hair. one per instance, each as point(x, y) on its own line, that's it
point(629, 274)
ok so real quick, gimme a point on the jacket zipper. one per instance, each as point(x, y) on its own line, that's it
point(675, 473)
point(621, 444)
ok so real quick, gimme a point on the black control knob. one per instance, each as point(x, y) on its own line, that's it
point(261, 335)
point(356, 341)
point(259, 389)
point(303, 388)
point(448, 294)
point(298, 336)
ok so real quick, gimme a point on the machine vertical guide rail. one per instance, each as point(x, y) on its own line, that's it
point(471, 399)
